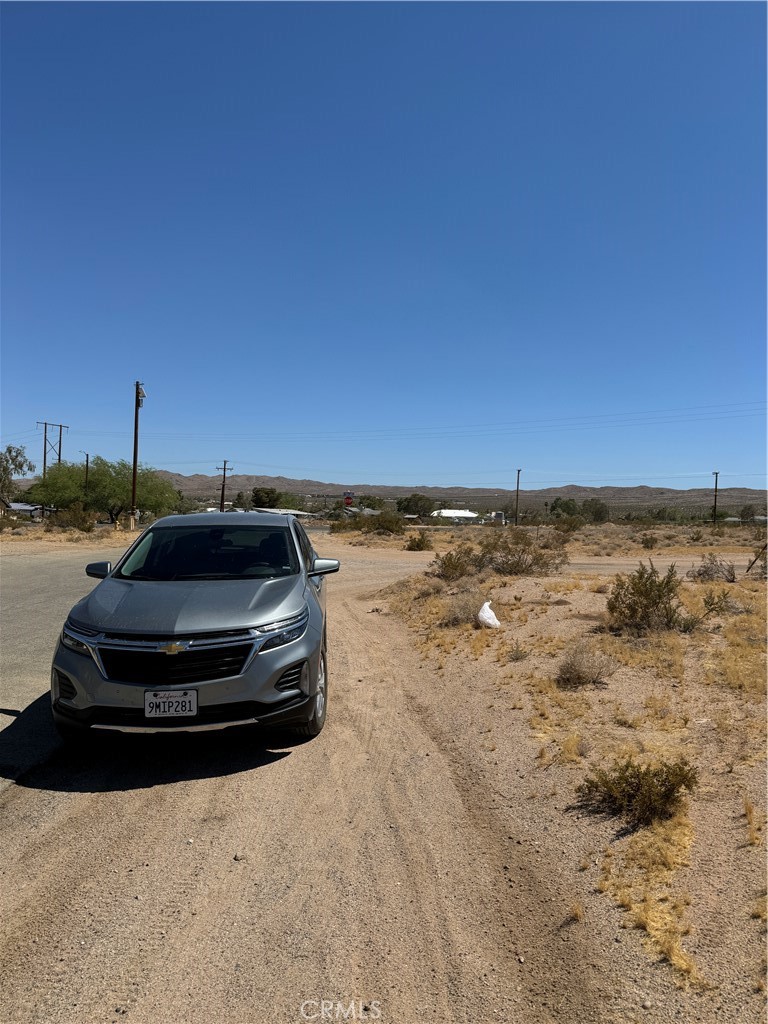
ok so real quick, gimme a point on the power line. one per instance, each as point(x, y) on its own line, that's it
point(542, 425)
point(52, 446)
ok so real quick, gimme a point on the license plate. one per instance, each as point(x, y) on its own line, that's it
point(169, 703)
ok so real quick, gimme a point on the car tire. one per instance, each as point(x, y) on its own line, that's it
point(319, 703)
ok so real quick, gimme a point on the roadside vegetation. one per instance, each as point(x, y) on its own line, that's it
point(642, 691)
point(104, 493)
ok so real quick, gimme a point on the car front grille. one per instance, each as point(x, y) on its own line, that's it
point(154, 668)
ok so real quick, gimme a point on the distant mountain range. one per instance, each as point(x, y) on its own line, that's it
point(731, 498)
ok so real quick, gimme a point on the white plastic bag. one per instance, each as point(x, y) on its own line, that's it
point(486, 617)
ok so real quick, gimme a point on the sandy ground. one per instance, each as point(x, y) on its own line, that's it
point(418, 860)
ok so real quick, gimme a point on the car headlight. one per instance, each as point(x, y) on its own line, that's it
point(74, 643)
point(284, 631)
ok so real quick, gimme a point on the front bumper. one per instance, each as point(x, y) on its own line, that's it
point(292, 710)
point(276, 688)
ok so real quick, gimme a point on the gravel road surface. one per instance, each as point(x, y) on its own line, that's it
point(235, 878)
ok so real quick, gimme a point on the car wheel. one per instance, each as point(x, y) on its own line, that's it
point(319, 703)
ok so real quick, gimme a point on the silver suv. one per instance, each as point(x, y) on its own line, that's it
point(207, 621)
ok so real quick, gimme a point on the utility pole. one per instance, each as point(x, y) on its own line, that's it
point(51, 445)
point(140, 395)
point(715, 474)
point(517, 496)
point(87, 457)
point(223, 471)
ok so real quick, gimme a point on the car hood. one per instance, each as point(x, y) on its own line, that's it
point(187, 606)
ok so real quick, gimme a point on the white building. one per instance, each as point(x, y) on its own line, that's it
point(453, 513)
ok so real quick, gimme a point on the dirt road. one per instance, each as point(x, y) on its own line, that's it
point(231, 879)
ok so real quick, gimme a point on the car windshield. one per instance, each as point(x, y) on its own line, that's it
point(211, 553)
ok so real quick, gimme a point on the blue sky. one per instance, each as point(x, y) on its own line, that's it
point(389, 243)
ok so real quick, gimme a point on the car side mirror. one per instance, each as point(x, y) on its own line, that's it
point(323, 566)
point(99, 570)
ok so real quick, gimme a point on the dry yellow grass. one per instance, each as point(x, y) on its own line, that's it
point(639, 876)
point(760, 909)
point(40, 538)
point(565, 586)
point(663, 654)
point(663, 712)
point(755, 822)
point(740, 662)
point(576, 914)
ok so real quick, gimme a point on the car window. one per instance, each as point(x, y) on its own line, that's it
point(211, 552)
point(307, 551)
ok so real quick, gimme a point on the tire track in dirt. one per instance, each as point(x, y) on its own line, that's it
point(366, 866)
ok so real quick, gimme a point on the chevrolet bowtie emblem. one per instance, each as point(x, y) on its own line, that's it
point(174, 648)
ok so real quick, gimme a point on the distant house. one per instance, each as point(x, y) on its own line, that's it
point(453, 513)
point(288, 512)
point(23, 510)
point(353, 510)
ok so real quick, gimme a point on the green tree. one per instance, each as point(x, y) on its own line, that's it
point(370, 501)
point(13, 462)
point(185, 505)
point(64, 485)
point(295, 501)
point(747, 514)
point(564, 507)
point(242, 500)
point(109, 488)
point(265, 497)
point(595, 511)
point(415, 505)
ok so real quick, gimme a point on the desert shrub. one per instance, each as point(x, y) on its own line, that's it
point(427, 586)
point(713, 568)
point(517, 652)
point(584, 666)
point(387, 522)
point(515, 553)
point(6, 523)
point(508, 553)
point(644, 600)
point(73, 518)
point(649, 540)
point(454, 564)
point(569, 524)
point(346, 523)
point(759, 565)
point(552, 540)
point(420, 541)
point(715, 604)
point(641, 795)
point(461, 609)
point(695, 536)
